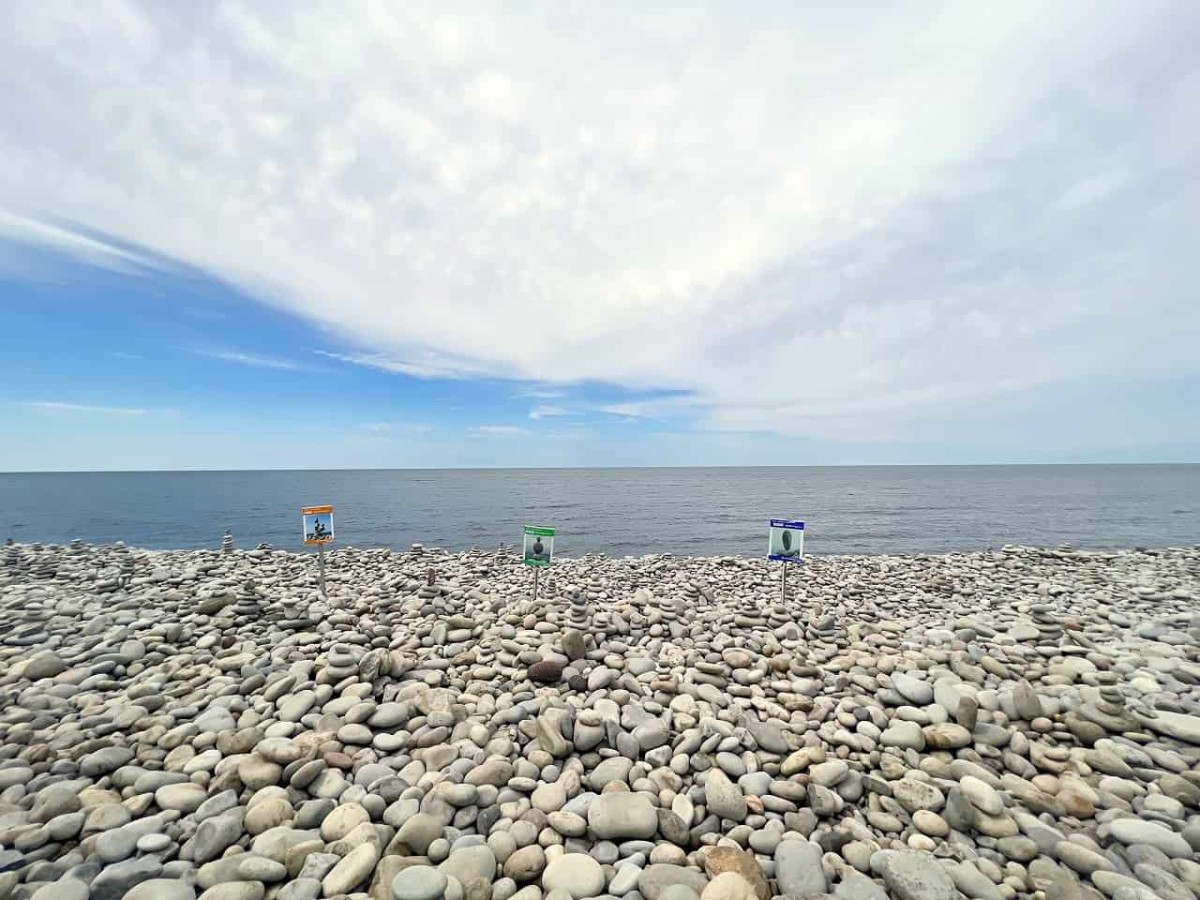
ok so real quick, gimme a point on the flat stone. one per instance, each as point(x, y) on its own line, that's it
point(910, 875)
point(798, 869)
point(723, 797)
point(722, 860)
point(912, 688)
point(619, 816)
point(74, 889)
point(729, 886)
point(114, 881)
point(159, 889)
point(914, 794)
point(575, 873)
point(468, 863)
point(353, 870)
point(419, 883)
point(1137, 831)
point(1177, 725)
point(906, 735)
point(982, 795)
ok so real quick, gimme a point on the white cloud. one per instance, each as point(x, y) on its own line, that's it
point(497, 430)
point(542, 394)
point(253, 359)
point(388, 428)
point(427, 365)
point(816, 220)
point(547, 412)
point(26, 229)
point(55, 406)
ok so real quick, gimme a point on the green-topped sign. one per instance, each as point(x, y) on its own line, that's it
point(538, 549)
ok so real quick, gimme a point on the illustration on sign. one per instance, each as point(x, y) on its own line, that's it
point(318, 524)
point(538, 549)
point(786, 541)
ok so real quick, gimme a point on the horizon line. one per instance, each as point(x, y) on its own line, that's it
point(201, 471)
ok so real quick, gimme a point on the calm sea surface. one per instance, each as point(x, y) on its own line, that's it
point(884, 509)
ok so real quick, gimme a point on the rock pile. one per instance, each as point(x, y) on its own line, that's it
point(1024, 723)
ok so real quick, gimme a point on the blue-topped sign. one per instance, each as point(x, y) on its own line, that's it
point(785, 542)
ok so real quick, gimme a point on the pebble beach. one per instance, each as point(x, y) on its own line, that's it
point(1023, 723)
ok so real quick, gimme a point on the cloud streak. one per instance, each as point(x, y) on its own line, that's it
point(58, 407)
point(256, 360)
point(393, 428)
point(548, 412)
point(813, 221)
point(497, 431)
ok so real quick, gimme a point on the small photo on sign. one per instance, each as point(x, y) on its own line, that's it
point(786, 541)
point(538, 549)
point(318, 524)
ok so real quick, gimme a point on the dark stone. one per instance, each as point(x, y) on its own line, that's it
point(545, 672)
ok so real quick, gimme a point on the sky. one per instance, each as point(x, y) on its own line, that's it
point(368, 234)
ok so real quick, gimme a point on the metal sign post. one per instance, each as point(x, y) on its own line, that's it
point(321, 569)
point(317, 528)
point(785, 544)
point(537, 551)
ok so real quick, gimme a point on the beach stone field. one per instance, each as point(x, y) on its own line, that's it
point(182, 724)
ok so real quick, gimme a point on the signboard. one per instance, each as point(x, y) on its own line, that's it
point(538, 549)
point(785, 542)
point(318, 524)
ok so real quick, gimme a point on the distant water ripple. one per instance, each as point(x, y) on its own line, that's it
point(876, 509)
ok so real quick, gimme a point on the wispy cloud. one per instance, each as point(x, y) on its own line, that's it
point(56, 406)
point(120, 354)
point(547, 412)
point(431, 366)
point(497, 430)
point(385, 428)
point(254, 359)
point(570, 433)
point(541, 394)
point(652, 408)
point(45, 231)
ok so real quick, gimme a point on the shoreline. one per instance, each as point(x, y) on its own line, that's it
point(1015, 723)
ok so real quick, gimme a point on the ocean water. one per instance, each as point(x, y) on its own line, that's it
point(872, 509)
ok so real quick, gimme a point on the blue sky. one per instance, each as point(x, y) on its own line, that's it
point(239, 237)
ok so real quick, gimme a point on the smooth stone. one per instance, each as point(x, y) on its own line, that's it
point(723, 797)
point(798, 868)
point(912, 689)
point(657, 877)
point(159, 889)
point(617, 816)
point(910, 875)
point(419, 883)
point(1136, 831)
point(73, 889)
point(576, 873)
point(729, 886)
point(468, 863)
point(982, 795)
point(354, 869)
point(1177, 725)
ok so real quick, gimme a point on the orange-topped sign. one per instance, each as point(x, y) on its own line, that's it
point(318, 524)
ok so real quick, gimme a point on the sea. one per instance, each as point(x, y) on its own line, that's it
point(622, 512)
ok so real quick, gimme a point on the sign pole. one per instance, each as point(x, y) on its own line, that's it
point(783, 584)
point(537, 571)
point(316, 527)
point(321, 568)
